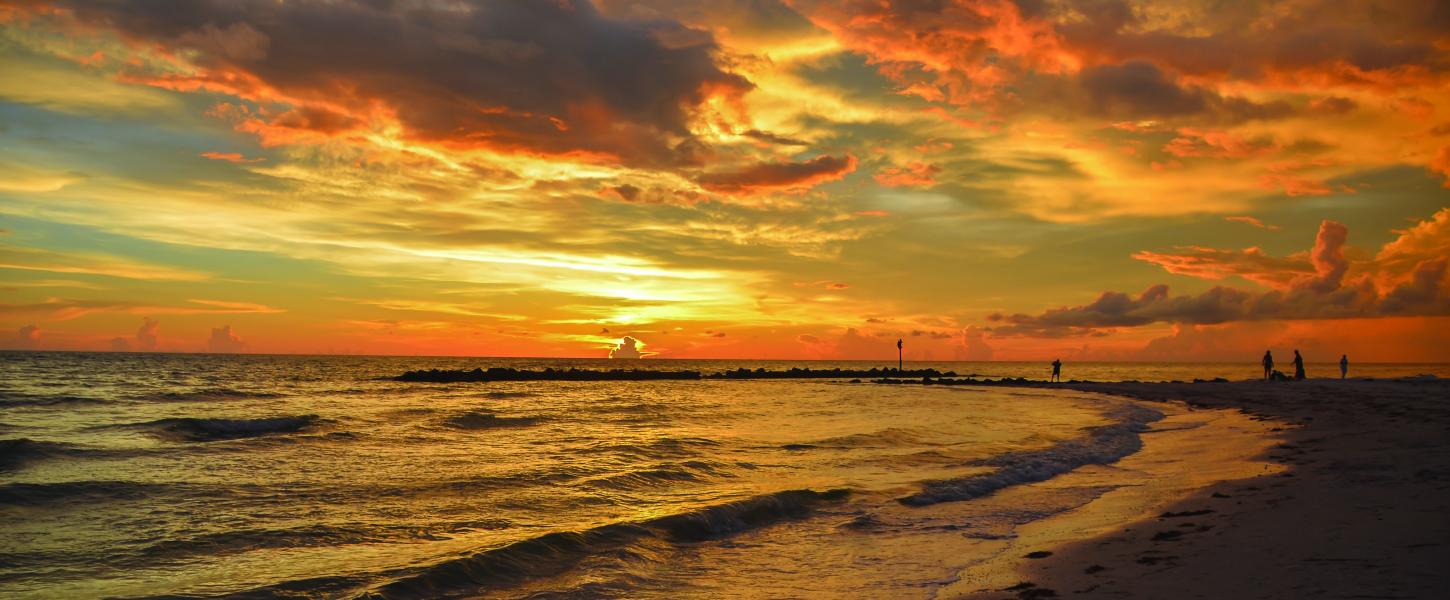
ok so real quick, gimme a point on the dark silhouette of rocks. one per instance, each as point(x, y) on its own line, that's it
point(799, 373)
point(550, 374)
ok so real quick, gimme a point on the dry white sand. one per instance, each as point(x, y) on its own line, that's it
point(1356, 504)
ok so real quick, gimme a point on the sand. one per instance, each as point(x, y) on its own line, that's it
point(1353, 502)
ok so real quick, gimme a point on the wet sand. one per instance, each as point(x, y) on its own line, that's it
point(1353, 502)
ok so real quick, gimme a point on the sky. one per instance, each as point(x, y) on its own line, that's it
point(783, 179)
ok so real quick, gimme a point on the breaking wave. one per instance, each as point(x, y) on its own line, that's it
point(19, 452)
point(52, 494)
point(477, 419)
point(205, 395)
point(555, 553)
point(190, 429)
point(658, 476)
point(1104, 444)
point(17, 399)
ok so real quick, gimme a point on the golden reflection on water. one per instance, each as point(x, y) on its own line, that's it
point(170, 475)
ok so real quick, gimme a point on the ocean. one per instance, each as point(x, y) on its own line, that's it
point(182, 476)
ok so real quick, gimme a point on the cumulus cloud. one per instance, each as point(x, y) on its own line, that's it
point(120, 344)
point(148, 336)
point(28, 337)
point(1441, 163)
point(1328, 259)
point(223, 341)
point(974, 345)
point(1428, 238)
point(1324, 293)
point(628, 347)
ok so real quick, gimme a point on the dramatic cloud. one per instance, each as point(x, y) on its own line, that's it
point(550, 77)
point(223, 341)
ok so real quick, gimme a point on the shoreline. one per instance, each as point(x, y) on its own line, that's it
point(1356, 504)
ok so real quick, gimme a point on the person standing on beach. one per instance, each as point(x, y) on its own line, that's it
point(1298, 366)
point(1343, 366)
point(1056, 370)
point(1268, 364)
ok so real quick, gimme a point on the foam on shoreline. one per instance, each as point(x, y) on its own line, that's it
point(1186, 451)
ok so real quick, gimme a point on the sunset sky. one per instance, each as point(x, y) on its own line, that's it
point(1029, 179)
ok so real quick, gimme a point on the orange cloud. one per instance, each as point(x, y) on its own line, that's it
point(962, 52)
point(1441, 164)
point(1215, 144)
point(1322, 294)
point(1294, 185)
point(779, 176)
point(1250, 263)
point(1254, 221)
point(456, 76)
point(824, 284)
point(231, 157)
point(223, 341)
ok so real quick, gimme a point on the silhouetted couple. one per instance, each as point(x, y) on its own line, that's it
point(1056, 370)
point(1298, 366)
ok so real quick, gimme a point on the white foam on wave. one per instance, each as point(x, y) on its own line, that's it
point(1103, 444)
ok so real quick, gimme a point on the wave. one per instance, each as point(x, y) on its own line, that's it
point(556, 553)
point(1104, 444)
point(658, 476)
point(191, 429)
point(501, 395)
point(663, 448)
point(891, 437)
point(16, 399)
point(19, 452)
point(477, 419)
point(228, 542)
point(70, 492)
point(204, 395)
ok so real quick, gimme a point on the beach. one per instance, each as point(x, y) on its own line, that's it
point(1355, 508)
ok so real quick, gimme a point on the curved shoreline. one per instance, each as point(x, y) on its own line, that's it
point(1352, 505)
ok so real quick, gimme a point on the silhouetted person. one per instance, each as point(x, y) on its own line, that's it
point(1056, 370)
point(898, 356)
point(1343, 366)
point(1298, 366)
point(1268, 364)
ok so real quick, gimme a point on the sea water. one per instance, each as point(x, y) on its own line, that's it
point(140, 475)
